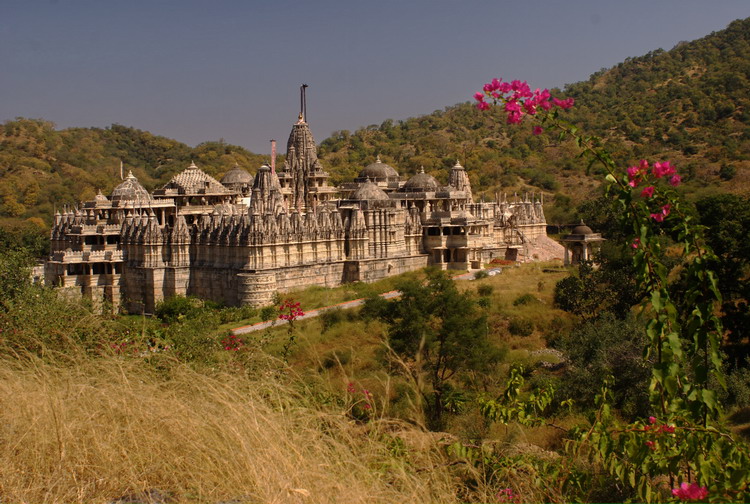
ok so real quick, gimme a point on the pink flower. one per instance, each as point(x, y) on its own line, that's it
point(652, 420)
point(636, 243)
point(651, 445)
point(668, 429)
point(664, 169)
point(563, 104)
point(504, 87)
point(514, 117)
point(659, 217)
point(483, 106)
point(350, 388)
point(366, 406)
point(691, 492)
point(478, 96)
point(647, 192)
point(537, 130)
point(675, 180)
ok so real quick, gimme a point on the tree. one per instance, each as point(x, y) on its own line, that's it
point(727, 221)
point(438, 333)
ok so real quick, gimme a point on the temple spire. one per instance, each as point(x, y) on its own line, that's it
point(303, 102)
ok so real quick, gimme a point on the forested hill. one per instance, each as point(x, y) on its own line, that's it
point(690, 104)
point(41, 167)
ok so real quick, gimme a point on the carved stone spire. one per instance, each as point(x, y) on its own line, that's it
point(460, 180)
point(301, 162)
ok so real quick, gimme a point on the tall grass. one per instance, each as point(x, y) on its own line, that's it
point(108, 427)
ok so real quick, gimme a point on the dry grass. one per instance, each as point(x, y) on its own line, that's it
point(109, 427)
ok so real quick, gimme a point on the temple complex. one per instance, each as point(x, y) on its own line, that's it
point(240, 240)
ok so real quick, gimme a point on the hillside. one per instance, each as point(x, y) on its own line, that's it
point(41, 167)
point(689, 104)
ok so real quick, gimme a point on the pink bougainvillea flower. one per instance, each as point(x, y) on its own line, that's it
point(664, 169)
point(675, 180)
point(690, 492)
point(668, 429)
point(514, 117)
point(483, 106)
point(537, 130)
point(659, 217)
point(636, 243)
point(651, 445)
point(647, 192)
point(563, 104)
point(512, 106)
point(652, 420)
point(350, 388)
point(479, 96)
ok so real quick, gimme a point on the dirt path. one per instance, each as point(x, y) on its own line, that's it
point(314, 313)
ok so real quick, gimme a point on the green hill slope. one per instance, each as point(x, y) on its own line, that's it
point(41, 167)
point(689, 104)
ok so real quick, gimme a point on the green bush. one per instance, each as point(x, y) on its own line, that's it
point(336, 357)
point(269, 313)
point(485, 290)
point(519, 326)
point(330, 318)
point(177, 308)
point(525, 299)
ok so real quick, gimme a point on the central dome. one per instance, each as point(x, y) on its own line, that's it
point(378, 171)
point(130, 190)
point(237, 175)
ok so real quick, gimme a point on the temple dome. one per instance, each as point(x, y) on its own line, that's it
point(100, 198)
point(378, 171)
point(193, 180)
point(422, 182)
point(130, 190)
point(237, 175)
point(582, 229)
point(369, 191)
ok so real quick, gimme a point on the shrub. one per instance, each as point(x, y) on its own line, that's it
point(268, 313)
point(525, 299)
point(485, 290)
point(336, 357)
point(330, 318)
point(177, 308)
point(521, 326)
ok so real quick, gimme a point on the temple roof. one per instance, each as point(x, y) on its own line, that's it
point(237, 175)
point(130, 190)
point(378, 171)
point(422, 182)
point(193, 180)
point(369, 191)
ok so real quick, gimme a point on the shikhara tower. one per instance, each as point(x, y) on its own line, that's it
point(303, 180)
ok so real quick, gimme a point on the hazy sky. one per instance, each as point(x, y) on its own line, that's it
point(204, 70)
